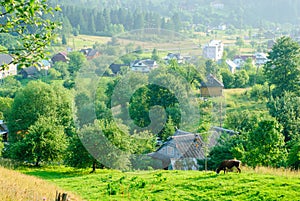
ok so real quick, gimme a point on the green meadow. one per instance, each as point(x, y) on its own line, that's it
point(251, 184)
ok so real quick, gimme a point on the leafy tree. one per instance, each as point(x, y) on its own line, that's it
point(5, 105)
point(282, 69)
point(294, 156)
point(239, 42)
point(211, 67)
point(286, 110)
point(62, 68)
point(27, 20)
point(45, 141)
point(265, 145)
point(64, 39)
point(9, 86)
point(169, 130)
point(106, 143)
point(39, 99)
point(77, 60)
point(241, 79)
point(155, 55)
point(228, 78)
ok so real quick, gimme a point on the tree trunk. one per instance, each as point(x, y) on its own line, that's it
point(94, 166)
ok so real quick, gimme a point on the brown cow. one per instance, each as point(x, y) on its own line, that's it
point(228, 164)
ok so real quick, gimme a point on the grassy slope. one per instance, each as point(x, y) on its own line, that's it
point(175, 185)
point(16, 186)
point(237, 100)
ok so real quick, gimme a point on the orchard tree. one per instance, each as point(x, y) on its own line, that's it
point(29, 21)
point(283, 67)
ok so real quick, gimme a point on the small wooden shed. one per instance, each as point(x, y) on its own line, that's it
point(211, 87)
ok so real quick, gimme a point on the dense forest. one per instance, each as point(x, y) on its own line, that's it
point(111, 17)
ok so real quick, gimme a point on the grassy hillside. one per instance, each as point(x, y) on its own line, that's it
point(259, 184)
point(17, 186)
point(238, 100)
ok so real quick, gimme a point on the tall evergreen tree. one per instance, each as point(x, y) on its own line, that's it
point(283, 67)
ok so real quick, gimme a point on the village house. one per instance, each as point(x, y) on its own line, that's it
point(180, 151)
point(175, 56)
point(143, 66)
point(212, 87)
point(90, 53)
point(183, 149)
point(214, 50)
point(239, 60)
point(11, 69)
point(232, 66)
point(29, 72)
point(61, 56)
point(116, 68)
point(260, 58)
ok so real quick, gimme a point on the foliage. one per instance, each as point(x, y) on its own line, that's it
point(5, 105)
point(259, 92)
point(286, 110)
point(241, 79)
point(168, 130)
point(265, 145)
point(294, 156)
point(44, 141)
point(9, 86)
point(39, 99)
point(228, 78)
point(104, 142)
point(77, 60)
point(30, 23)
point(282, 69)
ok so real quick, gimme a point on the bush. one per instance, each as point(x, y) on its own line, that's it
point(259, 92)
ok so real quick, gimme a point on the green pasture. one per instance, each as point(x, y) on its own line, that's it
point(173, 185)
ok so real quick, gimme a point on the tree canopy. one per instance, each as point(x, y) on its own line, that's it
point(283, 67)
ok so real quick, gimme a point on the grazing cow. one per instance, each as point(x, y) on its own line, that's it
point(228, 164)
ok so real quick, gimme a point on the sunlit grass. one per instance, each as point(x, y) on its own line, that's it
point(15, 186)
point(238, 100)
point(251, 184)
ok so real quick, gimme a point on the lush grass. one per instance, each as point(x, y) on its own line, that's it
point(238, 100)
point(260, 184)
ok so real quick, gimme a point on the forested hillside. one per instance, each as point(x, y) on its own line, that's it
point(101, 17)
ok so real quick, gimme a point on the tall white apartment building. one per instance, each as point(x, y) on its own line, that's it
point(214, 50)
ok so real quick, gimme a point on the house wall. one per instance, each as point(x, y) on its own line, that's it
point(211, 91)
point(12, 70)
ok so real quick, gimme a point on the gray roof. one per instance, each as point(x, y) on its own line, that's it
point(30, 70)
point(5, 59)
point(211, 81)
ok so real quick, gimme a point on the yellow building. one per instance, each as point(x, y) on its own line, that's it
point(211, 87)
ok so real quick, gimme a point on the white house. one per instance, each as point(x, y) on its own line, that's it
point(143, 66)
point(12, 68)
point(231, 65)
point(214, 50)
point(260, 58)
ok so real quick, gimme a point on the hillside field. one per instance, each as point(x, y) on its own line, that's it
point(258, 184)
